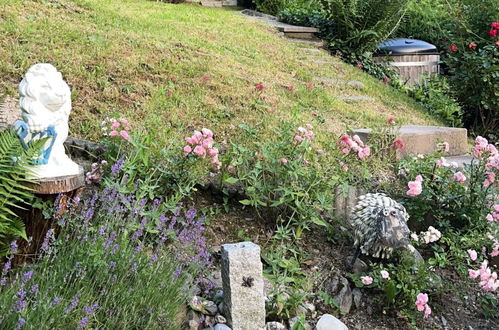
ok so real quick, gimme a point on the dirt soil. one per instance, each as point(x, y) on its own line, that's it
point(449, 312)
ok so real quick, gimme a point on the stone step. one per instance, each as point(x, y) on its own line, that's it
point(424, 139)
point(460, 160)
point(299, 35)
point(297, 29)
point(211, 3)
point(355, 99)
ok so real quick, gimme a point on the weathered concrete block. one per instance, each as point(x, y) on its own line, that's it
point(345, 200)
point(242, 278)
point(424, 139)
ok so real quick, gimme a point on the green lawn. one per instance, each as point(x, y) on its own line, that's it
point(123, 56)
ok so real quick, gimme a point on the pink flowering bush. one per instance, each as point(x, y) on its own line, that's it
point(401, 284)
point(201, 144)
point(447, 194)
point(282, 176)
point(118, 128)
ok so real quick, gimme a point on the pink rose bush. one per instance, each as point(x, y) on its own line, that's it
point(201, 145)
point(422, 304)
point(116, 127)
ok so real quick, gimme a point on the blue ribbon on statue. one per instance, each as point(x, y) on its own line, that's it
point(22, 130)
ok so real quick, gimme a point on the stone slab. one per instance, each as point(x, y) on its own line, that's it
point(355, 98)
point(460, 160)
point(424, 139)
point(300, 35)
point(242, 278)
point(229, 3)
point(297, 29)
point(211, 3)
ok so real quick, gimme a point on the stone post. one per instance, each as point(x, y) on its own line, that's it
point(242, 279)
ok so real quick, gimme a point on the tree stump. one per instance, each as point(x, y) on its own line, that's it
point(58, 191)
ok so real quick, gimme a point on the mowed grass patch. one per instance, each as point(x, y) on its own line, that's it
point(174, 68)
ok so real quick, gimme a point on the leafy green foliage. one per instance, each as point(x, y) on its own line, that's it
point(444, 201)
point(434, 95)
point(13, 194)
point(362, 24)
point(274, 7)
point(474, 77)
point(284, 178)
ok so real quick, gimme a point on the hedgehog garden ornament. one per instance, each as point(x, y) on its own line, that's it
point(380, 226)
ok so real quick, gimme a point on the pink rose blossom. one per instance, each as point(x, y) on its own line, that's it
point(366, 280)
point(385, 274)
point(346, 151)
point(489, 217)
point(125, 135)
point(298, 138)
point(115, 125)
point(473, 255)
point(283, 160)
point(187, 149)
point(113, 133)
point(460, 177)
point(213, 152)
point(427, 311)
point(473, 273)
point(207, 133)
point(200, 151)
point(415, 187)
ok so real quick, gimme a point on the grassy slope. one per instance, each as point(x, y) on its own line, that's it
point(122, 56)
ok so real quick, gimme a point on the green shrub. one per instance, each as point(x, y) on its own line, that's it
point(434, 95)
point(284, 176)
point(474, 77)
point(274, 7)
point(362, 24)
point(13, 194)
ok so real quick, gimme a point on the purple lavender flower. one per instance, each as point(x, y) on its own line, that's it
point(83, 323)
point(116, 168)
point(109, 240)
point(73, 304)
point(6, 268)
point(13, 247)
point(112, 264)
point(47, 240)
point(20, 323)
point(27, 276)
point(3, 281)
point(34, 289)
point(115, 248)
point(90, 309)
point(56, 301)
point(138, 248)
point(154, 257)
point(101, 231)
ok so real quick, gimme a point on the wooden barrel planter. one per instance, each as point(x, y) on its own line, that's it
point(410, 58)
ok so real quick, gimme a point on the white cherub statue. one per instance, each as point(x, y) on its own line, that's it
point(45, 102)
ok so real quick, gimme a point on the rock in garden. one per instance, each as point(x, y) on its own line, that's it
point(206, 307)
point(220, 319)
point(344, 297)
point(216, 278)
point(329, 322)
point(356, 84)
point(275, 326)
point(210, 307)
point(221, 308)
point(193, 320)
point(357, 297)
point(209, 321)
point(222, 327)
point(242, 276)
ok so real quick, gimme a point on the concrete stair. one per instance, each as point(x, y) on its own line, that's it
point(424, 140)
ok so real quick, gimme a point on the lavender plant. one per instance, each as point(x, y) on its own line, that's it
point(118, 262)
